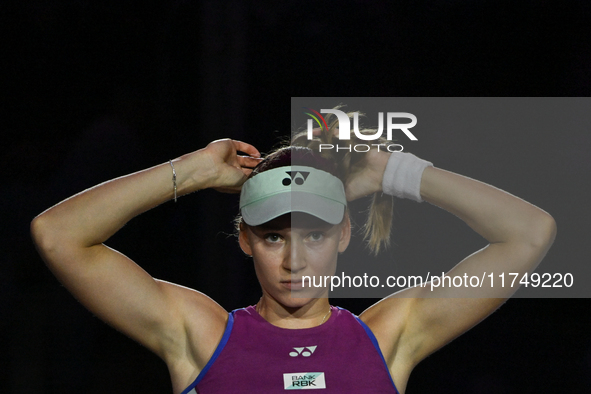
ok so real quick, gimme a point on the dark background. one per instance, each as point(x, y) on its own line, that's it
point(91, 91)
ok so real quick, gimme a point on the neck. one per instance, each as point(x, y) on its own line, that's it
point(312, 314)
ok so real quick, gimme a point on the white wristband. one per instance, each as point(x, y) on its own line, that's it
point(402, 177)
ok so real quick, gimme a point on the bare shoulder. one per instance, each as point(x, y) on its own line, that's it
point(192, 343)
point(388, 319)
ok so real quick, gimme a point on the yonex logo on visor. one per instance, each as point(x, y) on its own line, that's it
point(298, 177)
point(271, 194)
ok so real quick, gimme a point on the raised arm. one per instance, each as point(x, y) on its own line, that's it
point(70, 236)
point(412, 324)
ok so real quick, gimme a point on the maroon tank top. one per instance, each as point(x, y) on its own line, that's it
point(339, 356)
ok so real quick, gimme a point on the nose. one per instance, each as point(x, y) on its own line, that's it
point(295, 257)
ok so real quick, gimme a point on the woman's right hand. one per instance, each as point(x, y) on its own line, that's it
point(219, 166)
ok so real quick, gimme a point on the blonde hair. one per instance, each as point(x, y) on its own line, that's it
point(348, 162)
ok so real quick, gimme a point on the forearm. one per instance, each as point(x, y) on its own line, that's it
point(94, 215)
point(496, 215)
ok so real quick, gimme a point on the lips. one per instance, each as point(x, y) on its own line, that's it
point(292, 284)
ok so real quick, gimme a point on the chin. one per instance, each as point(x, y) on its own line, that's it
point(300, 299)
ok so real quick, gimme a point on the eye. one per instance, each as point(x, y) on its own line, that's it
point(316, 236)
point(273, 238)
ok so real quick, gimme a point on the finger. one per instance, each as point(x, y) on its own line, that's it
point(247, 161)
point(246, 148)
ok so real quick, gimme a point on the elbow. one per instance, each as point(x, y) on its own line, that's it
point(39, 233)
point(43, 235)
point(543, 232)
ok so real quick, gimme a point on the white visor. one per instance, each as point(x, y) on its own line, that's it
point(282, 190)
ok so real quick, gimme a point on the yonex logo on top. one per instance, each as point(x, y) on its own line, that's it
point(300, 351)
point(298, 177)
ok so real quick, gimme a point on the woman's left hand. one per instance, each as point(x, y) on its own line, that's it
point(366, 175)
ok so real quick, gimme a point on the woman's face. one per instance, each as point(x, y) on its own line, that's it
point(290, 247)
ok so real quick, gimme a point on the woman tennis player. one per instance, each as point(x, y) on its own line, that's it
point(294, 223)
